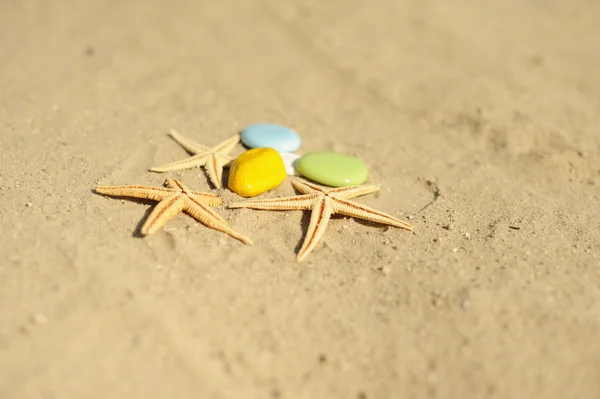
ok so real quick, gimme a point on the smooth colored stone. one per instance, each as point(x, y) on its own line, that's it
point(256, 171)
point(332, 169)
point(271, 135)
point(289, 161)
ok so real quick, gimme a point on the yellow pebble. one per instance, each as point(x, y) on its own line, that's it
point(256, 171)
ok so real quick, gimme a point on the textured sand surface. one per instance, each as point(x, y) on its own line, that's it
point(480, 120)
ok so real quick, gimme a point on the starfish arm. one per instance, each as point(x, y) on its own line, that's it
point(176, 184)
point(214, 169)
point(162, 213)
point(352, 191)
point(208, 217)
point(199, 205)
point(209, 199)
point(190, 145)
point(136, 191)
point(225, 160)
point(305, 187)
point(227, 145)
point(321, 212)
point(188, 163)
point(354, 209)
point(296, 202)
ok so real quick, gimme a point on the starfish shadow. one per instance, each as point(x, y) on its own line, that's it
point(207, 181)
point(304, 222)
point(137, 232)
point(368, 223)
point(225, 178)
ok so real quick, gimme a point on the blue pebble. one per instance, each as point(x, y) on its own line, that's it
point(271, 135)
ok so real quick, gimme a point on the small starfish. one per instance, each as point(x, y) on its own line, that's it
point(323, 203)
point(213, 159)
point(174, 199)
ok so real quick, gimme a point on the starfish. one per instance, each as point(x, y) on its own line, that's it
point(323, 203)
point(174, 199)
point(213, 159)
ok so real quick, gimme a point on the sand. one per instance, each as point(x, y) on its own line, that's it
point(480, 121)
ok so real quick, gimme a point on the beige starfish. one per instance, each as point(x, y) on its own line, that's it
point(174, 199)
point(323, 203)
point(213, 159)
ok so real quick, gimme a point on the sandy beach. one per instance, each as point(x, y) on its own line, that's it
point(480, 121)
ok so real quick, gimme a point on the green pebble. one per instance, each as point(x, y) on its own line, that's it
point(331, 169)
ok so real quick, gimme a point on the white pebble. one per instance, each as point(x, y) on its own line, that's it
point(289, 161)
